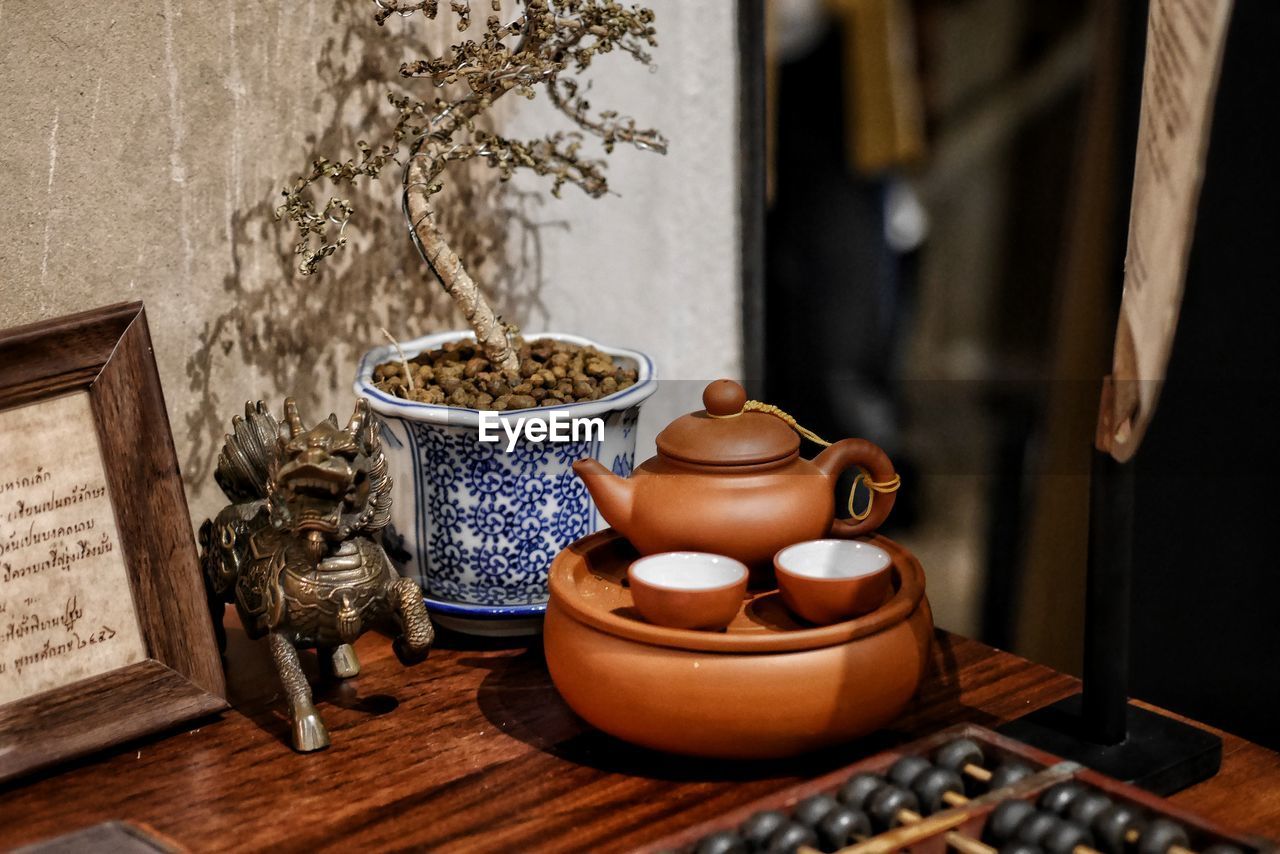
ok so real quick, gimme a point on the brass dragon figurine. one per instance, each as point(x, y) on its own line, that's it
point(295, 549)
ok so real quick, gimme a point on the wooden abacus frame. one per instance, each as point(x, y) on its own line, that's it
point(929, 834)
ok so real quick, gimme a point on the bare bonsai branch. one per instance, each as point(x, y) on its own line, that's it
point(387, 8)
point(556, 155)
point(609, 126)
point(547, 39)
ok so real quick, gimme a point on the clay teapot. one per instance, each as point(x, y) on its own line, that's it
point(732, 481)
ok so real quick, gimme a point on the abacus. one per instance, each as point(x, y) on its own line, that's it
point(968, 790)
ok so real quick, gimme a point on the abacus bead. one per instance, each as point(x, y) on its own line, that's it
point(954, 755)
point(1110, 826)
point(1035, 827)
point(1020, 848)
point(1160, 835)
point(842, 827)
point(858, 789)
point(721, 842)
point(811, 810)
point(1064, 838)
point(1087, 807)
point(757, 829)
point(1002, 824)
point(1058, 797)
point(789, 837)
point(906, 769)
point(887, 803)
point(932, 785)
point(1009, 773)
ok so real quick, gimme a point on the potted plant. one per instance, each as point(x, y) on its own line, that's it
point(477, 521)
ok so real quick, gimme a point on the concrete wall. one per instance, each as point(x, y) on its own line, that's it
point(145, 145)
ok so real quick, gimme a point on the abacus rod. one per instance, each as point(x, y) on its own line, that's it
point(967, 844)
point(977, 772)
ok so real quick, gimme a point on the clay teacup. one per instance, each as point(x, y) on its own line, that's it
point(827, 581)
point(688, 590)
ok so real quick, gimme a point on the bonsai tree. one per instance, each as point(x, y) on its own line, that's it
point(545, 45)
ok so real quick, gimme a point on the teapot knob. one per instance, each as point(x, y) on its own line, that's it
point(724, 398)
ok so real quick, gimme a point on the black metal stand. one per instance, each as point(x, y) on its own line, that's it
point(1099, 728)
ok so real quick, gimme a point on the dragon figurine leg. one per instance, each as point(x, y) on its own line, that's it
point(416, 631)
point(309, 732)
point(345, 663)
point(337, 662)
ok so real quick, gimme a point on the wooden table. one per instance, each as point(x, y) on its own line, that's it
point(474, 750)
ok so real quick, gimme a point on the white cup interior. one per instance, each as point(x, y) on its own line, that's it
point(688, 570)
point(834, 559)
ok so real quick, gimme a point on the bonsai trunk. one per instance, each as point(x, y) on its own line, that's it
point(445, 263)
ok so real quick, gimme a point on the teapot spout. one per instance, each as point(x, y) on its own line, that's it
point(614, 495)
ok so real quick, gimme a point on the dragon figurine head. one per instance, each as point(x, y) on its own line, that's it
point(328, 482)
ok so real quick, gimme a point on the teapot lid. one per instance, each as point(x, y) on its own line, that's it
point(723, 434)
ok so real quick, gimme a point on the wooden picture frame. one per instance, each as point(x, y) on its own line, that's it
point(107, 354)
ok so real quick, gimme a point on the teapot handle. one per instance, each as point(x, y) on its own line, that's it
point(859, 453)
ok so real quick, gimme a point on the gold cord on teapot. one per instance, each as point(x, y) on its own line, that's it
point(864, 477)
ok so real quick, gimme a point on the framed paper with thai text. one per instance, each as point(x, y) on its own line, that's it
point(105, 633)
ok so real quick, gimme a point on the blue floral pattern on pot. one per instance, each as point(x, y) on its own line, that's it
point(475, 523)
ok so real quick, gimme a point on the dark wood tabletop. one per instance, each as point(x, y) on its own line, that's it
point(473, 750)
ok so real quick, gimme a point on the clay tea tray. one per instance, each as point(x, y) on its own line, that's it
point(715, 694)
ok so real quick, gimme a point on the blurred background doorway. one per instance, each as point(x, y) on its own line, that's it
point(948, 188)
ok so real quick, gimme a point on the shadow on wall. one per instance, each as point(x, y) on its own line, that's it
point(303, 335)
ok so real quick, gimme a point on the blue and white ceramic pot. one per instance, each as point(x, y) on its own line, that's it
point(477, 525)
